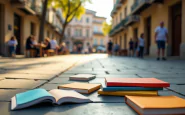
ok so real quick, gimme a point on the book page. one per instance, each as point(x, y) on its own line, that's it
point(58, 94)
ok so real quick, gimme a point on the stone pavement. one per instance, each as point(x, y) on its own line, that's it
point(48, 73)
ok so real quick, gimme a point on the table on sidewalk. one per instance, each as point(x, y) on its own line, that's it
point(41, 46)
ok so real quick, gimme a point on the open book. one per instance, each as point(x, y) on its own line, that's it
point(55, 96)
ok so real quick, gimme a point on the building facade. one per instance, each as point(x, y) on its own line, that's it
point(133, 17)
point(85, 31)
point(21, 18)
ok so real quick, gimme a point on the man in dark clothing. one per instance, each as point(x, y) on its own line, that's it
point(109, 47)
point(131, 47)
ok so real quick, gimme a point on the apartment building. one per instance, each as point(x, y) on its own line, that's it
point(86, 31)
point(133, 17)
point(21, 18)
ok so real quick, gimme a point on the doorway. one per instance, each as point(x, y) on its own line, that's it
point(2, 29)
point(125, 41)
point(148, 35)
point(17, 32)
point(120, 40)
point(176, 11)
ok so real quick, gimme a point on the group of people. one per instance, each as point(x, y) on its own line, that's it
point(32, 44)
point(137, 47)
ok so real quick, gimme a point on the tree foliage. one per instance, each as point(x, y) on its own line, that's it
point(70, 9)
point(106, 28)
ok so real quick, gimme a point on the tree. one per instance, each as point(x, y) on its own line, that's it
point(106, 28)
point(43, 19)
point(70, 9)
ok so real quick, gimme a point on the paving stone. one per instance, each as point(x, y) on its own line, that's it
point(49, 86)
point(169, 93)
point(174, 80)
point(66, 75)
point(71, 109)
point(35, 72)
point(178, 88)
point(20, 84)
point(84, 72)
point(98, 80)
point(117, 76)
point(130, 72)
point(64, 80)
point(7, 94)
point(27, 76)
point(162, 76)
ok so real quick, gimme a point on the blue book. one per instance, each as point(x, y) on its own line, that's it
point(130, 89)
point(55, 96)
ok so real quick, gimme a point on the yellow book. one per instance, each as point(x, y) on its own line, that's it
point(131, 93)
point(156, 105)
point(81, 87)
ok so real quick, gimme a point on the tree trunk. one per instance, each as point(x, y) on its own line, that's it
point(63, 33)
point(42, 22)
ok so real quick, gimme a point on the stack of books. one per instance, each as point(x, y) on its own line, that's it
point(132, 86)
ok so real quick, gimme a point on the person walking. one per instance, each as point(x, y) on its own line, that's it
point(109, 47)
point(161, 38)
point(141, 45)
point(12, 43)
point(131, 48)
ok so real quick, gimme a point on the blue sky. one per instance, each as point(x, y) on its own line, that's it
point(102, 7)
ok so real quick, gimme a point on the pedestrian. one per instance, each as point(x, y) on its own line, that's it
point(141, 45)
point(131, 47)
point(12, 43)
point(116, 49)
point(109, 47)
point(136, 48)
point(54, 45)
point(161, 38)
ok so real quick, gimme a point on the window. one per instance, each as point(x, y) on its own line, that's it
point(48, 34)
point(32, 28)
point(95, 29)
point(101, 42)
point(87, 33)
point(69, 32)
point(87, 20)
point(95, 41)
point(120, 17)
point(125, 12)
point(78, 32)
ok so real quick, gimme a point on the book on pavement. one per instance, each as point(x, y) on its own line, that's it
point(157, 105)
point(82, 77)
point(55, 96)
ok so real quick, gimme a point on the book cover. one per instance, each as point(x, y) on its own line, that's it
point(130, 89)
point(55, 96)
point(136, 82)
point(131, 93)
point(81, 87)
point(157, 105)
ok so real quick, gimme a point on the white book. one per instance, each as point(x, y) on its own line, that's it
point(55, 96)
point(82, 77)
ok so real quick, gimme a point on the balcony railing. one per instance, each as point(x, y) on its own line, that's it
point(132, 19)
point(140, 5)
point(117, 5)
point(98, 33)
point(24, 5)
point(119, 27)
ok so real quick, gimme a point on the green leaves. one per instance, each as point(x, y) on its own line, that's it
point(106, 28)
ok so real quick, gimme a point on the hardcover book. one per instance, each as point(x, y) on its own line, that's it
point(86, 88)
point(131, 89)
point(157, 105)
point(131, 93)
point(55, 96)
point(136, 82)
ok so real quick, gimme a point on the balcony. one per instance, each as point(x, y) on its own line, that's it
point(140, 5)
point(117, 5)
point(119, 27)
point(98, 33)
point(24, 5)
point(132, 19)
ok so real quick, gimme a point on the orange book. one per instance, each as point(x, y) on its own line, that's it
point(157, 105)
point(81, 87)
point(136, 82)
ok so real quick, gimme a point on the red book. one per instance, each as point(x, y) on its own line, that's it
point(135, 82)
